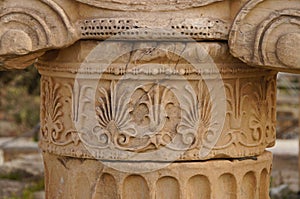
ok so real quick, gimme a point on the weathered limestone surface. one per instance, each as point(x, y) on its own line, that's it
point(263, 33)
point(28, 31)
point(266, 34)
point(179, 125)
point(163, 87)
point(227, 179)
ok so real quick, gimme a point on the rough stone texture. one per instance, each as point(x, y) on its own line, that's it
point(151, 92)
point(186, 121)
point(266, 33)
point(27, 32)
point(82, 178)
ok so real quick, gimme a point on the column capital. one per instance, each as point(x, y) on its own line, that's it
point(27, 31)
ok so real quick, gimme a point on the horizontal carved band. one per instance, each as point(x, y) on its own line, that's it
point(266, 33)
point(117, 115)
point(27, 32)
point(141, 29)
point(229, 179)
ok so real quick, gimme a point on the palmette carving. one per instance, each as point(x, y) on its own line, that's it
point(52, 128)
point(136, 121)
point(114, 117)
point(263, 120)
point(142, 110)
point(156, 98)
point(261, 126)
point(236, 99)
point(197, 118)
point(121, 120)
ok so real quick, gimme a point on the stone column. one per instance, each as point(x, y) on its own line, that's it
point(145, 100)
point(148, 116)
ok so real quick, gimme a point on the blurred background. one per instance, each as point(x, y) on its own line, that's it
point(21, 165)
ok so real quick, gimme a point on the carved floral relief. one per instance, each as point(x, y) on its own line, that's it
point(52, 124)
point(133, 107)
point(150, 117)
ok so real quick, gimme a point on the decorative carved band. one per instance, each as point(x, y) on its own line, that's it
point(268, 37)
point(136, 113)
point(237, 179)
point(141, 29)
